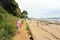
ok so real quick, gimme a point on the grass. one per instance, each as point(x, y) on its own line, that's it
point(28, 30)
point(7, 25)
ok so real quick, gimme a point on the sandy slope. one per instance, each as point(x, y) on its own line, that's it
point(44, 32)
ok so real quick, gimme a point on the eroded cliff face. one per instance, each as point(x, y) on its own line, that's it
point(11, 6)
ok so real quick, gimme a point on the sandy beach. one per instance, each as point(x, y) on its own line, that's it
point(43, 31)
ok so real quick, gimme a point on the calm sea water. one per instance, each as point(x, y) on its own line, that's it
point(53, 19)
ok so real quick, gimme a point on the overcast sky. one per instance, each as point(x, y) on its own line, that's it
point(40, 8)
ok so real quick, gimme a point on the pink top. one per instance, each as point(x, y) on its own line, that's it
point(19, 23)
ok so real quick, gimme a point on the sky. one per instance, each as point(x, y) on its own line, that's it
point(40, 8)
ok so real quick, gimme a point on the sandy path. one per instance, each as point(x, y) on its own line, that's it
point(23, 33)
point(44, 32)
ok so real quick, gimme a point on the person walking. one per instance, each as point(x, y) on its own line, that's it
point(19, 23)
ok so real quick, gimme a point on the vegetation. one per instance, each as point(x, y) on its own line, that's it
point(7, 25)
point(9, 15)
point(10, 6)
point(24, 14)
point(28, 29)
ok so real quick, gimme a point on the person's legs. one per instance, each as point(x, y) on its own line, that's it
point(18, 29)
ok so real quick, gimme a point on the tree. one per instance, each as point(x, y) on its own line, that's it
point(10, 6)
point(24, 14)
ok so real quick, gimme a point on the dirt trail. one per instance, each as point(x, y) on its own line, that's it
point(23, 33)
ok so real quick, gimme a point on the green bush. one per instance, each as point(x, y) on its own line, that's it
point(28, 29)
point(7, 31)
point(7, 25)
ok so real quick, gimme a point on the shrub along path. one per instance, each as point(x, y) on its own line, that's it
point(23, 33)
